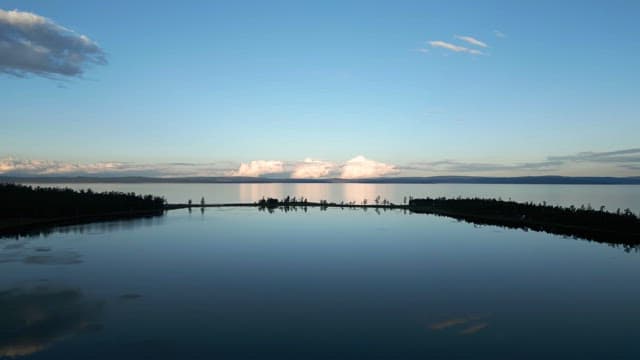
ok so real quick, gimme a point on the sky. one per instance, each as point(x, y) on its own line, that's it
point(309, 89)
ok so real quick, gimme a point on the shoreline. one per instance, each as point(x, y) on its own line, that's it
point(628, 236)
point(602, 234)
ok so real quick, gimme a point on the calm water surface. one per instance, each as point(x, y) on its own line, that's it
point(237, 283)
point(611, 196)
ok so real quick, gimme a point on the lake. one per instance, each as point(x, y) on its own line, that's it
point(238, 283)
point(611, 196)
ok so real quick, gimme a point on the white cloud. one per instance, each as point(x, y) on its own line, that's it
point(499, 34)
point(448, 46)
point(361, 167)
point(471, 40)
point(45, 167)
point(32, 44)
point(312, 169)
point(22, 167)
point(258, 168)
point(453, 47)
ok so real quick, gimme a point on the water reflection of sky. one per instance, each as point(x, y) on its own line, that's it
point(238, 283)
point(612, 196)
point(33, 319)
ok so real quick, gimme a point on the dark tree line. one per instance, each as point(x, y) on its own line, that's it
point(287, 201)
point(38, 202)
point(585, 222)
point(543, 212)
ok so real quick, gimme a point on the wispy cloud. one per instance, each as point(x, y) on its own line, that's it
point(453, 47)
point(360, 167)
point(259, 168)
point(499, 34)
point(471, 40)
point(453, 166)
point(312, 169)
point(626, 160)
point(30, 167)
point(619, 156)
point(32, 44)
point(45, 167)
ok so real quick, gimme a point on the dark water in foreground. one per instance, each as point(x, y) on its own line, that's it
point(338, 284)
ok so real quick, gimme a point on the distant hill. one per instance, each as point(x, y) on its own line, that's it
point(591, 180)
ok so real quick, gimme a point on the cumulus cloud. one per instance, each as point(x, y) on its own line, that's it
point(453, 47)
point(312, 169)
point(32, 44)
point(360, 167)
point(471, 40)
point(259, 167)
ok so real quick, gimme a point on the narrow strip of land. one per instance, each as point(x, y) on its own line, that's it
point(621, 227)
point(25, 209)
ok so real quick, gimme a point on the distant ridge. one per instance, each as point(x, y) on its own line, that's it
point(568, 180)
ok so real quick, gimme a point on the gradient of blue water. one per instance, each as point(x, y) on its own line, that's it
point(237, 283)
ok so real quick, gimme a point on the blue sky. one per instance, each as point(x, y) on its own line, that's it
point(356, 88)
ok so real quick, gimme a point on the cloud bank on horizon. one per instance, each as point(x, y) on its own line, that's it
point(357, 168)
point(360, 167)
point(625, 162)
point(32, 44)
point(312, 169)
point(258, 168)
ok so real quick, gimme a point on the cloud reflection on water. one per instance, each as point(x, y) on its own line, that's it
point(35, 318)
point(464, 325)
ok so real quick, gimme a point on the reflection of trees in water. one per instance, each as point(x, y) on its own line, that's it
point(34, 319)
point(99, 226)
